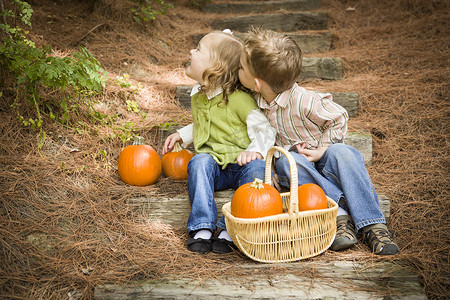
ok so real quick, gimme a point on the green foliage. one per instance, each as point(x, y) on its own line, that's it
point(147, 12)
point(123, 82)
point(32, 68)
point(166, 126)
point(78, 79)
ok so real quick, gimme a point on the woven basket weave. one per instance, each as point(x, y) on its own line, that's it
point(290, 236)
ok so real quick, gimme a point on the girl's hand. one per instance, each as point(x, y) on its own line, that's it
point(311, 155)
point(170, 142)
point(247, 156)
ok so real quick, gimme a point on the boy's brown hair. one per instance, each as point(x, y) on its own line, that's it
point(273, 57)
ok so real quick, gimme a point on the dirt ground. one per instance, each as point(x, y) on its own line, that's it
point(64, 225)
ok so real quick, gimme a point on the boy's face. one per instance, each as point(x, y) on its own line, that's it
point(245, 76)
point(200, 59)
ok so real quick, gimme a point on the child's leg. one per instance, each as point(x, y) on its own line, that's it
point(237, 176)
point(344, 166)
point(203, 171)
point(307, 173)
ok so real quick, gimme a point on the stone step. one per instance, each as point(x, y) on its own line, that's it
point(313, 42)
point(347, 100)
point(286, 22)
point(325, 68)
point(261, 6)
point(308, 279)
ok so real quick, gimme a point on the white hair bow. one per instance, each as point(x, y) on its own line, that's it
point(228, 31)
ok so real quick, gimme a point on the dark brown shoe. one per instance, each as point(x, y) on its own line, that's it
point(379, 240)
point(345, 234)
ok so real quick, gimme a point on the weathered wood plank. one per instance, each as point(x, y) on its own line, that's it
point(175, 210)
point(347, 100)
point(316, 42)
point(331, 280)
point(286, 22)
point(261, 7)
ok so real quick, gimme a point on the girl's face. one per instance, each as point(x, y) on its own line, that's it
point(245, 75)
point(200, 59)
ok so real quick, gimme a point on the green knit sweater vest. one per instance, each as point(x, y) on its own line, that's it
point(221, 129)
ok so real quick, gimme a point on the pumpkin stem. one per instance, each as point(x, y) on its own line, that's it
point(177, 147)
point(138, 140)
point(257, 184)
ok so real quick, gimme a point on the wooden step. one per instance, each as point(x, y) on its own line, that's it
point(286, 22)
point(175, 210)
point(261, 6)
point(330, 279)
point(315, 42)
point(347, 100)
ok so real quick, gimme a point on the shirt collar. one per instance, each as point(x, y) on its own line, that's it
point(282, 99)
point(209, 95)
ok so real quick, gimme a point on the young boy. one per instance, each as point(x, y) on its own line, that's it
point(312, 127)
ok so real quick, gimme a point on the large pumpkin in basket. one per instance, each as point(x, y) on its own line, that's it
point(256, 200)
point(310, 197)
point(175, 162)
point(139, 164)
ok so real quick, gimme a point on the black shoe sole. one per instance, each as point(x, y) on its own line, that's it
point(222, 246)
point(202, 246)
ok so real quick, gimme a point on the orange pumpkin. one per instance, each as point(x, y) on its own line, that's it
point(139, 164)
point(255, 200)
point(310, 197)
point(175, 163)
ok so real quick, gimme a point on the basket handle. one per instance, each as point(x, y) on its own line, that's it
point(293, 197)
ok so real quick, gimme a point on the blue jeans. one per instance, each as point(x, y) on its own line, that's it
point(342, 175)
point(205, 177)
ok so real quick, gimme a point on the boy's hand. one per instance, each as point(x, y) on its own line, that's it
point(170, 142)
point(247, 156)
point(311, 155)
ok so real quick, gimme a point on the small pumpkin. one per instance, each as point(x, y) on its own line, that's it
point(139, 164)
point(310, 197)
point(175, 163)
point(256, 200)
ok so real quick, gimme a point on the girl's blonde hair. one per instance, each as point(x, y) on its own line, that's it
point(225, 57)
point(273, 57)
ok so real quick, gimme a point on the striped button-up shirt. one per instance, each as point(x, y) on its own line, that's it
point(302, 116)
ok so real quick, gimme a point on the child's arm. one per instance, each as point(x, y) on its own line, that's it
point(327, 122)
point(262, 136)
point(331, 119)
point(183, 135)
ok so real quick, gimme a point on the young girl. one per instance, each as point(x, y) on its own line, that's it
point(230, 135)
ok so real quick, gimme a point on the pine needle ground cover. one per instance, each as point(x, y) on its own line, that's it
point(64, 221)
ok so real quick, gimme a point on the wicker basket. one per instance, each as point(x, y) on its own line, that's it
point(290, 236)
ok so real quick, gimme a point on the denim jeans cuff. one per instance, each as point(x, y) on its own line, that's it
point(363, 224)
point(221, 225)
point(196, 228)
